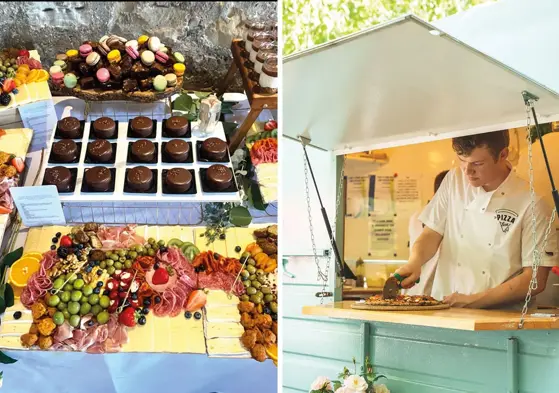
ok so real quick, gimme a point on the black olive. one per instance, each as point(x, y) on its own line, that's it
point(17, 315)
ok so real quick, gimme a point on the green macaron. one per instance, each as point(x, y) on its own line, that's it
point(61, 64)
point(160, 83)
point(178, 57)
point(70, 81)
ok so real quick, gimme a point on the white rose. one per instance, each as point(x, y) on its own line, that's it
point(356, 383)
point(320, 382)
point(381, 389)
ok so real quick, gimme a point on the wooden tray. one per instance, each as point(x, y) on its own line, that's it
point(360, 306)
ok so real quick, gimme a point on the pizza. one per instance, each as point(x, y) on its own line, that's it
point(403, 300)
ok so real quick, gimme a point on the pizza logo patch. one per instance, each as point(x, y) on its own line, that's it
point(505, 218)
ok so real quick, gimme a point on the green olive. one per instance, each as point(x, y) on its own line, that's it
point(274, 307)
point(102, 264)
point(161, 243)
point(260, 272)
point(132, 255)
point(255, 299)
point(251, 269)
point(265, 290)
point(110, 262)
point(111, 270)
point(245, 255)
point(245, 274)
point(245, 298)
point(108, 254)
point(118, 265)
point(251, 262)
point(252, 277)
point(151, 252)
point(128, 264)
point(139, 248)
point(251, 290)
point(151, 240)
point(147, 246)
point(246, 283)
point(261, 279)
point(256, 284)
point(114, 257)
point(121, 253)
point(268, 298)
point(122, 259)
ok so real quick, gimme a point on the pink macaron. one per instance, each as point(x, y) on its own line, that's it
point(85, 50)
point(103, 75)
point(57, 77)
point(161, 57)
point(132, 52)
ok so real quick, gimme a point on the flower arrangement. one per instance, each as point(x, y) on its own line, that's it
point(351, 383)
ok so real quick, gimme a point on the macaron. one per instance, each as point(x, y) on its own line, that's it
point(143, 39)
point(57, 77)
point(171, 80)
point(179, 58)
point(61, 64)
point(103, 75)
point(92, 59)
point(163, 49)
point(132, 52)
point(161, 57)
point(71, 53)
point(114, 56)
point(132, 43)
point(104, 38)
point(112, 40)
point(62, 57)
point(159, 83)
point(179, 69)
point(148, 57)
point(85, 50)
point(70, 80)
point(154, 44)
point(103, 48)
point(54, 69)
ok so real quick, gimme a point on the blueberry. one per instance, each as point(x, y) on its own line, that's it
point(15, 91)
point(53, 247)
point(216, 255)
point(274, 317)
point(99, 272)
point(142, 321)
point(145, 310)
point(106, 292)
point(196, 270)
point(238, 249)
point(134, 296)
point(197, 315)
point(163, 249)
point(188, 315)
point(62, 252)
point(157, 300)
point(58, 234)
point(80, 246)
point(202, 268)
point(88, 269)
point(97, 291)
point(121, 289)
point(79, 275)
point(90, 323)
point(222, 236)
point(96, 263)
point(267, 310)
point(55, 240)
point(17, 315)
point(99, 284)
point(147, 302)
point(156, 266)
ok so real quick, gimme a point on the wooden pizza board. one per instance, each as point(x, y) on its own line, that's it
point(370, 307)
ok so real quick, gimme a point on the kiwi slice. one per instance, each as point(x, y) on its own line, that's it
point(191, 252)
point(184, 246)
point(175, 242)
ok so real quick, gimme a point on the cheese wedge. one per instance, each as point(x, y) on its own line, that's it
point(223, 330)
point(223, 314)
point(224, 347)
point(216, 298)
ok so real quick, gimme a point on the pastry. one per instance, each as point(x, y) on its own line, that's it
point(131, 43)
point(143, 151)
point(171, 80)
point(141, 126)
point(147, 57)
point(85, 70)
point(142, 39)
point(65, 150)
point(100, 150)
point(87, 83)
point(70, 81)
point(58, 176)
point(132, 52)
point(57, 77)
point(154, 44)
point(160, 83)
point(114, 56)
point(115, 72)
point(104, 128)
point(103, 75)
point(219, 177)
point(69, 128)
point(85, 50)
point(146, 84)
point(176, 126)
point(178, 180)
point(269, 81)
point(214, 149)
point(92, 59)
point(98, 178)
point(139, 179)
point(139, 71)
point(130, 85)
point(62, 57)
point(161, 57)
point(157, 69)
point(179, 58)
point(179, 69)
point(60, 63)
point(54, 69)
point(177, 150)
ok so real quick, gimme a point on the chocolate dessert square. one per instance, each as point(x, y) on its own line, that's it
point(110, 85)
point(130, 85)
point(87, 82)
point(200, 156)
point(167, 135)
point(130, 158)
point(152, 189)
point(139, 71)
point(166, 159)
point(153, 134)
point(53, 160)
point(116, 72)
point(86, 70)
point(82, 126)
point(191, 191)
point(146, 84)
point(157, 69)
point(85, 188)
point(207, 189)
point(92, 135)
point(73, 179)
point(88, 160)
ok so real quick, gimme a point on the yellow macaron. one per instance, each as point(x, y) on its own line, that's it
point(143, 39)
point(72, 53)
point(114, 56)
point(179, 69)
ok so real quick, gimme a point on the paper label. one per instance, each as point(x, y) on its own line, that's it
point(38, 206)
point(41, 117)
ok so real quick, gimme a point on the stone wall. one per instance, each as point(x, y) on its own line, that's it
point(202, 31)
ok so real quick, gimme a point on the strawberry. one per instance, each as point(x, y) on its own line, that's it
point(555, 270)
point(113, 306)
point(8, 85)
point(113, 295)
point(23, 53)
point(271, 125)
point(5, 210)
point(134, 303)
point(2, 132)
point(196, 301)
point(18, 163)
point(65, 241)
point(161, 275)
point(128, 317)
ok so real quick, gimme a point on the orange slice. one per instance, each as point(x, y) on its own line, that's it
point(43, 76)
point(22, 270)
point(272, 352)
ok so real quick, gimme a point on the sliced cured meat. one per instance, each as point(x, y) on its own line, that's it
point(119, 237)
point(63, 332)
point(178, 261)
point(96, 349)
point(220, 280)
point(162, 287)
point(39, 283)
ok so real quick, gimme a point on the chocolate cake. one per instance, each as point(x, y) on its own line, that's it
point(143, 151)
point(139, 178)
point(219, 177)
point(69, 128)
point(58, 176)
point(98, 178)
point(214, 149)
point(177, 150)
point(100, 150)
point(141, 126)
point(104, 128)
point(176, 126)
point(65, 150)
point(178, 180)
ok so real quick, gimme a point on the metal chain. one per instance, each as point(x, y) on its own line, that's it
point(322, 275)
point(536, 254)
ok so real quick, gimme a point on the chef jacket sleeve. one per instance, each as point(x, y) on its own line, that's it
point(550, 256)
point(434, 214)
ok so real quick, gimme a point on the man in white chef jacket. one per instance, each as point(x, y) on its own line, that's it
point(415, 229)
point(481, 218)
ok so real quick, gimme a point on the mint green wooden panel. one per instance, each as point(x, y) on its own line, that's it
point(299, 371)
point(294, 297)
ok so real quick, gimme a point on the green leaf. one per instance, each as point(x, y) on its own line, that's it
point(2, 305)
point(9, 296)
point(378, 377)
point(256, 197)
point(229, 128)
point(183, 103)
point(336, 385)
point(240, 216)
point(10, 258)
point(5, 359)
point(227, 107)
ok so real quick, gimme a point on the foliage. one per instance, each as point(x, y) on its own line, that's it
point(307, 23)
point(366, 376)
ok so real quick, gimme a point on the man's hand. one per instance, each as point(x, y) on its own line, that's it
point(459, 300)
point(411, 271)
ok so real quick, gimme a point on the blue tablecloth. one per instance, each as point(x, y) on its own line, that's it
point(70, 372)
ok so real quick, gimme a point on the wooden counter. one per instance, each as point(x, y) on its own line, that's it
point(454, 318)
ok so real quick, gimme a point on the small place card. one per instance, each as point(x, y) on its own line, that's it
point(38, 206)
